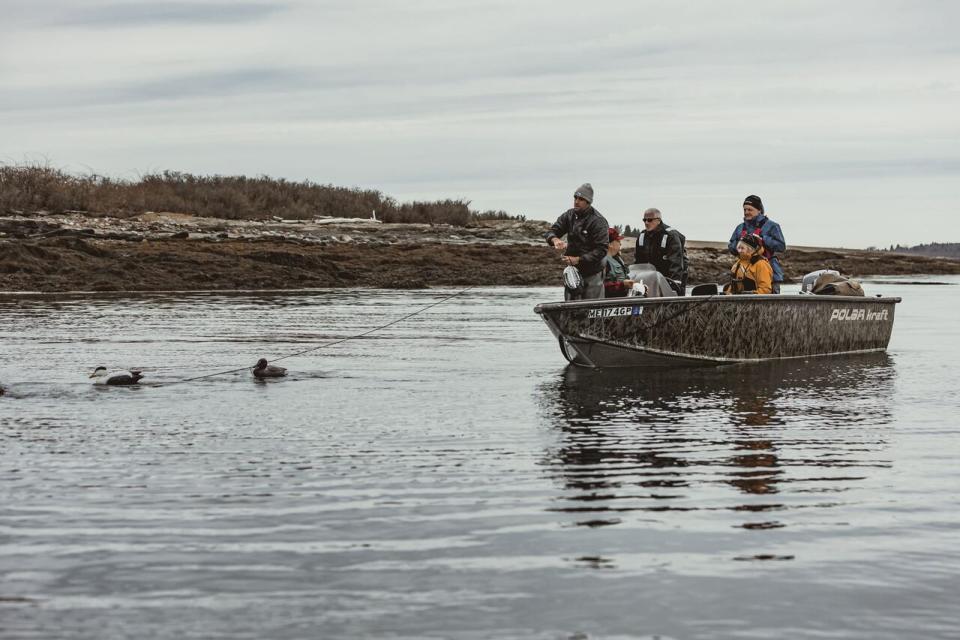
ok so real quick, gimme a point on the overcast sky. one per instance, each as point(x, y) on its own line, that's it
point(842, 116)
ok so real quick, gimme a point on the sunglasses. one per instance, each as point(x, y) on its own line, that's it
point(650, 219)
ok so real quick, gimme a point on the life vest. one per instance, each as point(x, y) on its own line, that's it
point(663, 238)
point(655, 254)
point(744, 233)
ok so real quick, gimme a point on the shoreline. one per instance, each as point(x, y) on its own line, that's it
point(169, 252)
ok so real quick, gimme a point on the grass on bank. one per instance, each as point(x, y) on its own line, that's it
point(42, 188)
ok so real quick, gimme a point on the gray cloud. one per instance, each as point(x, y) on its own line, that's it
point(116, 16)
point(686, 105)
point(227, 83)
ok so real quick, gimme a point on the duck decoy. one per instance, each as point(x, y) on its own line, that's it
point(117, 378)
point(264, 370)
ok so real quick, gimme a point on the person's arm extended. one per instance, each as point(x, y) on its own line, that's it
point(558, 229)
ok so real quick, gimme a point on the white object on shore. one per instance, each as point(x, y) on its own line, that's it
point(346, 221)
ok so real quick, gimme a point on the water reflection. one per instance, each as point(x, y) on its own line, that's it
point(777, 434)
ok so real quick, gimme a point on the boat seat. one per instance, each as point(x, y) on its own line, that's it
point(705, 289)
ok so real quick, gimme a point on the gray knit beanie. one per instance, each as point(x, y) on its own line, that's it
point(585, 191)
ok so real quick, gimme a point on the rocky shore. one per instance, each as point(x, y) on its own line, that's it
point(170, 251)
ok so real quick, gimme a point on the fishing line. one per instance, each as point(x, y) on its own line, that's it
point(327, 344)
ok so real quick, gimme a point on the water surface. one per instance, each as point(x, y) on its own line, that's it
point(449, 476)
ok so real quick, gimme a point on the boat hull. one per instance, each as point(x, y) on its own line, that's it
point(705, 330)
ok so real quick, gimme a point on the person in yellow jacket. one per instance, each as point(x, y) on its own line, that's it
point(752, 272)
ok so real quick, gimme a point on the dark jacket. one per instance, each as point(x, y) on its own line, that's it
point(665, 248)
point(773, 241)
point(587, 238)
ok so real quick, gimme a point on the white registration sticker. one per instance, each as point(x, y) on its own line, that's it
point(613, 312)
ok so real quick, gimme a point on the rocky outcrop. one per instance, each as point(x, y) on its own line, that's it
point(168, 251)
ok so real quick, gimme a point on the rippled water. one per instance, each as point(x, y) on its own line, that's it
point(449, 477)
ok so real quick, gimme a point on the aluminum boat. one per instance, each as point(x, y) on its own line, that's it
point(717, 329)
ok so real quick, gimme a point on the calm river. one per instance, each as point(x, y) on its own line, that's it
point(450, 477)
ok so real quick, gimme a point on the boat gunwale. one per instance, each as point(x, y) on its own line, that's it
point(728, 299)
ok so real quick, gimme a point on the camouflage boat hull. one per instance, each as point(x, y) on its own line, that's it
point(705, 330)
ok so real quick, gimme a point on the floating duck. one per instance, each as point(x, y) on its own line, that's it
point(2, 390)
point(119, 378)
point(264, 370)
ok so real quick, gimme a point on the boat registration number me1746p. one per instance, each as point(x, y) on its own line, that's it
point(611, 312)
point(858, 314)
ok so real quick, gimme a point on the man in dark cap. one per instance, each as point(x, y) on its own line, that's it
point(587, 240)
point(755, 222)
point(663, 247)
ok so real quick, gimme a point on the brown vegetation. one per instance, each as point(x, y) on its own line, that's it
point(40, 188)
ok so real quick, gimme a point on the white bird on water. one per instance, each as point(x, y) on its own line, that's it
point(263, 370)
point(116, 378)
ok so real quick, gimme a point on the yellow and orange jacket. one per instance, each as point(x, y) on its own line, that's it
point(753, 275)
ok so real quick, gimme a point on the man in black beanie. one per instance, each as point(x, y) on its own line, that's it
point(755, 222)
point(587, 240)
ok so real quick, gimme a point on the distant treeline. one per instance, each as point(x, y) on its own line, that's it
point(934, 249)
point(42, 188)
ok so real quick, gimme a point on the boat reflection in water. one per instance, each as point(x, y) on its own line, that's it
point(752, 442)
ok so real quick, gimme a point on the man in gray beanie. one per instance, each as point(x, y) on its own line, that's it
point(587, 240)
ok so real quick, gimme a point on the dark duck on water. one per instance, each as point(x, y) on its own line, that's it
point(115, 378)
point(264, 370)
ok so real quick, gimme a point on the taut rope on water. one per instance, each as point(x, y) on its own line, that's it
point(326, 344)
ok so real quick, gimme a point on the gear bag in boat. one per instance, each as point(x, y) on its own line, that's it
point(831, 284)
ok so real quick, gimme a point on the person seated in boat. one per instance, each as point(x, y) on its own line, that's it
point(665, 248)
point(755, 222)
point(751, 272)
point(616, 275)
point(586, 244)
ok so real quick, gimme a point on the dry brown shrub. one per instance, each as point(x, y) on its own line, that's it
point(43, 188)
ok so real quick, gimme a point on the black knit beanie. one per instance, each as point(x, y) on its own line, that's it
point(755, 202)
